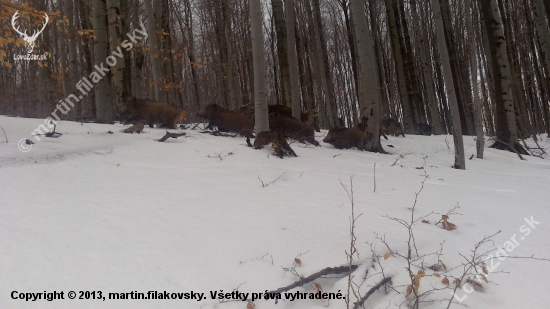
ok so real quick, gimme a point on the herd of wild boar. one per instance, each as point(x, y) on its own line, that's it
point(241, 121)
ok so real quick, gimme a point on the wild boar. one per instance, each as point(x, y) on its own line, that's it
point(287, 111)
point(227, 121)
point(342, 138)
point(151, 112)
point(292, 128)
point(424, 129)
point(248, 111)
point(393, 127)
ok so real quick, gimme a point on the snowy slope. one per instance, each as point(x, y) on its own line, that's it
point(92, 211)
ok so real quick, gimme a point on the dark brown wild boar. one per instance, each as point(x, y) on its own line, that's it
point(346, 138)
point(393, 127)
point(424, 129)
point(292, 128)
point(227, 121)
point(248, 111)
point(287, 111)
point(151, 112)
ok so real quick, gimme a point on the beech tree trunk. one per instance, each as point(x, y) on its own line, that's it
point(282, 50)
point(506, 130)
point(292, 59)
point(154, 52)
point(328, 88)
point(408, 121)
point(260, 83)
point(369, 85)
point(460, 162)
point(103, 98)
point(480, 142)
point(68, 7)
point(114, 16)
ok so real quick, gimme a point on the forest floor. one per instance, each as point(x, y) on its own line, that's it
point(121, 213)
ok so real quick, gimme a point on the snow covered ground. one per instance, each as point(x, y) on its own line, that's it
point(116, 213)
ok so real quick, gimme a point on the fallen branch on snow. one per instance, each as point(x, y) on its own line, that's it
point(369, 293)
point(171, 135)
point(324, 272)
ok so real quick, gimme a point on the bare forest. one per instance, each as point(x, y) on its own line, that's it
point(464, 67)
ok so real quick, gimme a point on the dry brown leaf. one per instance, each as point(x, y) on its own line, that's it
point(416, 283)
point(474, 283)
point(456, 282)
point(298, 261)
point(484, 268)
point(451, 226)
point(426, 221)
point(435, 267)
point(443, 264)
point(250, 306)
point(445, 218)
point(484, 278)
point(318, 287)
point(437, 275)
point(445, 281)
point(409, 290)
point(387, 256)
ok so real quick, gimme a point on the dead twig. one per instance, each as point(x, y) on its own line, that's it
point(370, 292)
point(5, 135)
point(269, 183)
point(401, 156)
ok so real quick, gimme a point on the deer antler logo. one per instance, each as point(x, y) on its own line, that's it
point(29, 40)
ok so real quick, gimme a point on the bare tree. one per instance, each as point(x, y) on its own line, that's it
point(154, 51)
point(506, 130)
point(369, 85)
point(115, 38)
point(460, 162)
point(260, 84)
point(480, 143)
point(292, 59)
point(103, 99)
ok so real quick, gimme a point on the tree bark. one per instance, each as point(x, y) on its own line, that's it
point(544, 35)
point(169, 78)
point(292, 59)
point(425, 58)
point(480, 142)
point(114, 16)
point(103, 99)
point(332, 110)
point(408, 120)
point(68, 7)
point(506, 130)
point(154, 52)
point(369, 85)
point(460, 162)
point(282, 50)
point(260, 84)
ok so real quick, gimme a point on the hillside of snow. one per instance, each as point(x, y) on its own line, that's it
point(119, 213)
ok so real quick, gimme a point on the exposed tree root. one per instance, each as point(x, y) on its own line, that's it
point(505, 145)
